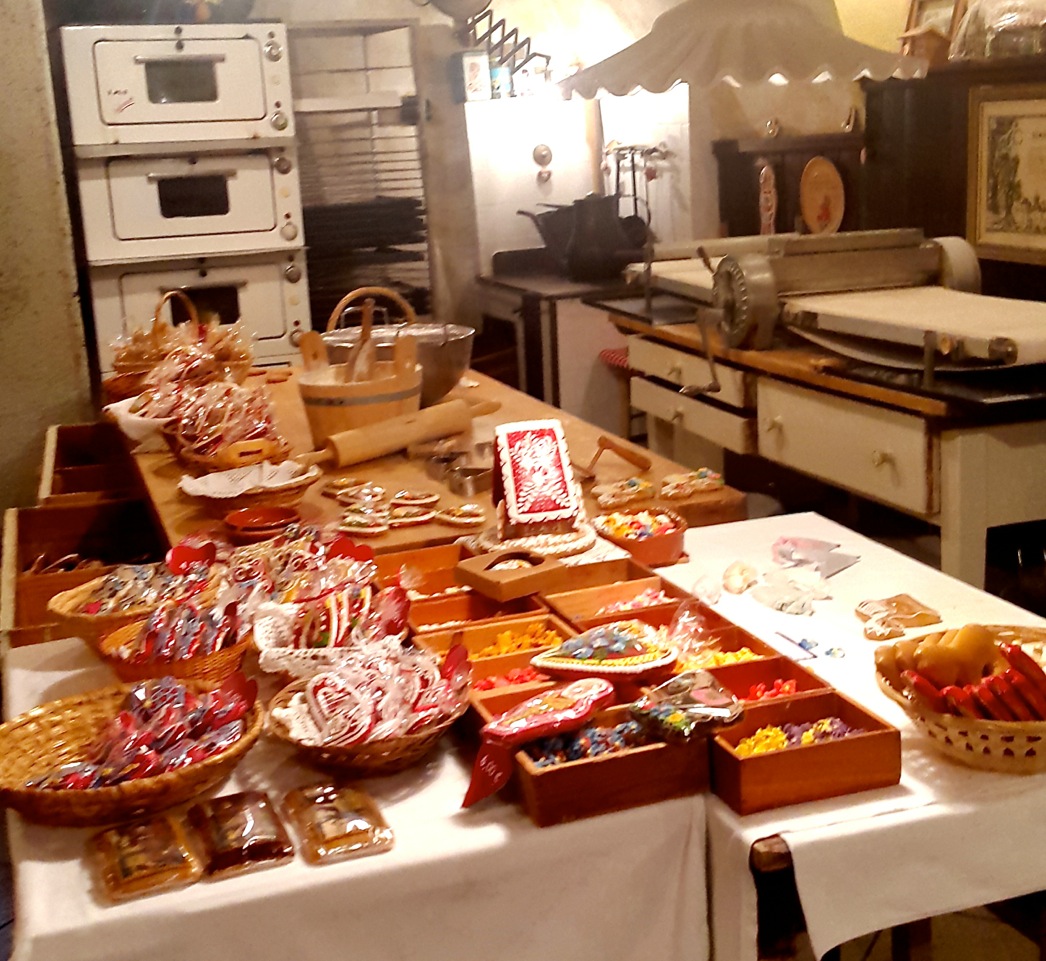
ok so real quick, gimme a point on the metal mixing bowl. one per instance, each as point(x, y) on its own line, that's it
point(444, 351)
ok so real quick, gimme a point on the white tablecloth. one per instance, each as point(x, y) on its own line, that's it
point(946, 838)
point(475, 884)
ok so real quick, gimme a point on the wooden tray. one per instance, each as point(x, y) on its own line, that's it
point(581, 607)
point(478, 636)
point(807, 773)
point(613, 782)
point(506, 585)
point(733, 638)
point(739, 678)
point(577, 576)
point(462, 609)
point(113, 532)
point(435, 566)
point(85, 463)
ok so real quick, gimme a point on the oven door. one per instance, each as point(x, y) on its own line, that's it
point(146, 84)
point(269, 294)
point(152, 207)
point(179, 81)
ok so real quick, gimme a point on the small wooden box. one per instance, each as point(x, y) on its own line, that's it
point(479, 636)
point(578, 576)
point(459, 610)
point(85, 463)
point(582, 607)
point(540, 574)
point(435, 567)
point(740, 678)
point(732, 638)
point(111, 532)
point(811, 772)
point(611, 782)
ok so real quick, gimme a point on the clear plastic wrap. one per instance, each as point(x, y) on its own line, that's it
point(240, 833)
point(221, 414)
point(335, 822)
point(144, 857)
point(993, 29)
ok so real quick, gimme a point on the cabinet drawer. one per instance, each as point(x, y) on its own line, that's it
point(885, 455)
point(679, 367)
point(724, 429)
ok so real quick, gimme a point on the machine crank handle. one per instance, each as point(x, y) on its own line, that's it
point(713, 386)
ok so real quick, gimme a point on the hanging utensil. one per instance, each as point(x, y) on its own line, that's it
point(363, 368)
point(634, 226)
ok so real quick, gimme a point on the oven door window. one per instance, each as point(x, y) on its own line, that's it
point(206, 196)
point(211, 300)
point(191, 81)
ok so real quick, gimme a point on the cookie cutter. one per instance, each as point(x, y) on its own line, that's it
point(469, 481)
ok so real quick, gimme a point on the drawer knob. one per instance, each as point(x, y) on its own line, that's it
point(882, 457)
point(675, 372)
point(677, 414)
point(775, 423)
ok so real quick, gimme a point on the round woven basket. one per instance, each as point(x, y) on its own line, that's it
point(1009, 747)
point(375, 758)
point(286, 495)
point(66, 609)
point(60, 732)
point(241, 454)
point(212, 668)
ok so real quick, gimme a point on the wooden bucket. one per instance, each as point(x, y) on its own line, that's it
point(332, 405)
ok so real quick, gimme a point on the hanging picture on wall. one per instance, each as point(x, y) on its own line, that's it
point(473, 78)
point(1006, 207)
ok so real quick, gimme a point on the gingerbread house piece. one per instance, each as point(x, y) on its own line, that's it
point(534, 490)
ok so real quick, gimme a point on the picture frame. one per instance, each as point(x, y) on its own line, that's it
point(942, 14)
point(473, 79)
point(1006, 173)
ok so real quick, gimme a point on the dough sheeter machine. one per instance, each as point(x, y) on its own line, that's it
point(885, 297)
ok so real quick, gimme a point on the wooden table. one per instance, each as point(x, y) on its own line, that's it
point(965, 456)
point(179, 515)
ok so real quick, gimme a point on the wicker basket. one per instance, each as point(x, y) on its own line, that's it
point(389, 756)
point(212, 668)
point(286, 495)
point(65, 608)
point(60, 732)
point(241, 454)
point(1009, 747)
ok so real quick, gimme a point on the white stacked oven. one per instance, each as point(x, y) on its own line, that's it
point(188, 177)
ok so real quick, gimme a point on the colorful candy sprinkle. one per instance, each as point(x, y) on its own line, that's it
point(589, 742)
point(774, 738)
point(535, 636)
point(638, 526)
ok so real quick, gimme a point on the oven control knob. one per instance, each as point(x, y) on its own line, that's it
point(283, 165)
point(295, 338)
point(273, 51)
point(288, 232)
point(279, 120)
point(293, 273)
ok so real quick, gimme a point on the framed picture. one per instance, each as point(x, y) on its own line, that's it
point(473, 82)
point(1006, 173)
point(942, 15)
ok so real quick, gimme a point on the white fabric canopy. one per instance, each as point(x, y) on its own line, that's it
point(702, 42)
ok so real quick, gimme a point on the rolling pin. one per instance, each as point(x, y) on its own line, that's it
point(388, 436)
point(604, 443)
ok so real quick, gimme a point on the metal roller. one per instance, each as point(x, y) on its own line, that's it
point(745, 291)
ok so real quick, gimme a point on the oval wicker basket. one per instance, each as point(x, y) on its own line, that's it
point(66, 609)
point(1009, 747)
point(60, 732)
point(286, 495)
point(375, 758)
point(241, 454)
point(213, 668)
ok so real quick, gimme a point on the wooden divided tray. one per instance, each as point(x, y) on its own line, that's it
point(460, 610)
point(858, 762)
point(582, 607)
point(612, 782)
point(434, 567)
point(739, 679)
point(479, 636)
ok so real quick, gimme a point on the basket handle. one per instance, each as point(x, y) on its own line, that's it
point(246, 452)
point(364, 292)
point(190, 309)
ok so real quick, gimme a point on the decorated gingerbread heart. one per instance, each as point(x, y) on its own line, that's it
point(339, 709)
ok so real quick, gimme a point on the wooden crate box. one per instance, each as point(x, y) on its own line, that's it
point(812, 772)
